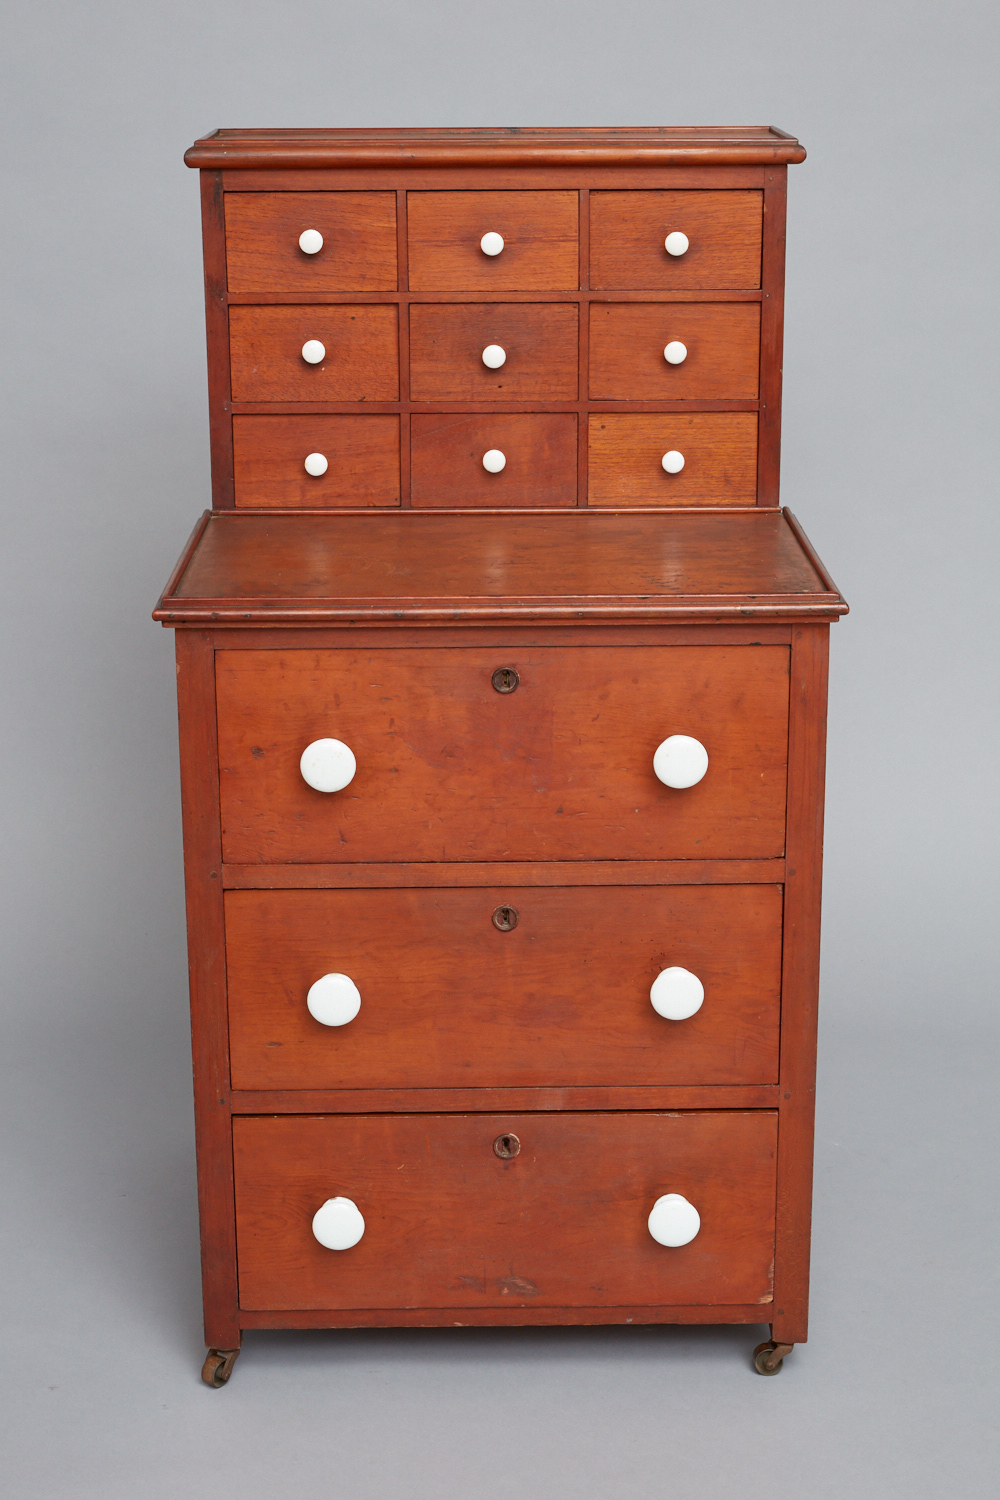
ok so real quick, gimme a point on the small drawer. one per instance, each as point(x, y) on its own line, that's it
point(455, 349)
point(719, 353)
point(449, 767)
point(711, 458)
point(350, 239)
point(359, 359)
point(308, 461)
point(450, 455)
point(508, 987)
point(629, 231)
point(540, 234)
point(505, 1210)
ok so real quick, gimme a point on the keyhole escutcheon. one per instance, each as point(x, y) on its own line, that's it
point(505, 679)
point(505, 918)
point(506, 1146)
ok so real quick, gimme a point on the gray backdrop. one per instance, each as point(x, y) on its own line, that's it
point(889, 459)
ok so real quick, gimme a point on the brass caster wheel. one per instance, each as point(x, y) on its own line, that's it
point(768, 1358)
point(218, 1366)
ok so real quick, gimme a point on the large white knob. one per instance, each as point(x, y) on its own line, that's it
point(680, 761)
point(328, 765)
point(310, 241)
point(673, 1221)
point(335, 1000)
point(494, 461)
point(673, 461)
point(675, 994)
point(676, 243)
point(494, 356)
point(675, 353)
point(338, 1224)
point(491, 244)
point(316, 464)
point(313, 352)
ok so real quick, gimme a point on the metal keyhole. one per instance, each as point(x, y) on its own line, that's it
point(506, 1146)
point(505, 679)
point(504, 918)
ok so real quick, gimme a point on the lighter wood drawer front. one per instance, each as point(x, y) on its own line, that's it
point(361, 456)
point(450, 769)
point(540, 231)
point(449, 1224)
point(361, 360)
point(628, 230)
point(448, 999)
point(539, 451)
point(719, 452)
point(539, 341)
point(358, 253)
point(627, 341)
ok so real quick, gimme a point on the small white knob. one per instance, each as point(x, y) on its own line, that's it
point(675, 353)
point(673, 461)
point(316, 464)
point(311, 241)
point(494, 461)
point(335, 1000)
point(676, 243)
point(672, 1221)
point(328, 765)
point(313, 352)
point(675, 994)
point(338, 1224)
point(494, 356)
point(680, 761)
point(491, 244)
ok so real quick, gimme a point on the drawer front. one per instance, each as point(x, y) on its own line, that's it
point(450, 769)
point(449, 998)
point(361, 362)
point(358, 253)
point(541, 344)
point(719, 450)
point(540, 232)
point(361, 455)
point(628, 230)
point(447, 1223)
point(447, 452)
point(627, 341)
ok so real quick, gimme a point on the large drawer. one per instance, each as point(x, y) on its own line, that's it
point(448, 768)
point(358, 251)
point(628, 339)
point(360, 363)
point(628, 231)
point(540, 233)
point(451, 997)
point(448, 1223)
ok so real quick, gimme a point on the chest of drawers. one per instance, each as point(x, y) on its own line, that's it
point(502, 685)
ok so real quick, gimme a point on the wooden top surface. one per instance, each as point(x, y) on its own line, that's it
point(453, 567)
point(664, 146)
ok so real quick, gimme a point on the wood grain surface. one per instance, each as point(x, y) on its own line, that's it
point(362, 361)
point(626, 453)
point(540, 233)
point(446, 459)
point(447, 342)
point(627, 231)
point(627, 341)
point(362, 452)
point(359, 242)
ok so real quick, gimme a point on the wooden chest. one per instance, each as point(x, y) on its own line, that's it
point(502, 685)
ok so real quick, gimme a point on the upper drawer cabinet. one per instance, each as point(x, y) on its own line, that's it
point(314, 353)
point(311, 242)
point(629, 234)
point(674, 351)
point(531, 241)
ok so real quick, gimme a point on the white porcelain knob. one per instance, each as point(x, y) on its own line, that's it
point(328, 765)
point(680, 761)
point(673, 1221)
point(494, 461)
point(491, 244)
point(673, 461)
point(494, 356)
point(316, 464)
point(676, 243)
point(675, 353)
point(335, 1000)
point(338, 1224)
point(313, 352)
point(311, 241)
point(675, 994)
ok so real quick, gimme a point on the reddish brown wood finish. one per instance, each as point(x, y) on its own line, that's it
point(550, 872)
point(562, 1224)
point(540, 233)
point(359, 242)
point(627, 341)
point(406, 1101)
point(628, 230)
point(217, 330)
point(519, 1316)
point(446, 460)
point(362, 452)
point(447, 342)
point(720, 458)
point(771, 337)
point(361, 353)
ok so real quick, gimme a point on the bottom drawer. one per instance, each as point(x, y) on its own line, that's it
point(449, 1222)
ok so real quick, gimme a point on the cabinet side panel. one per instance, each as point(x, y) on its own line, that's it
point(772, 322)
point(213, 231)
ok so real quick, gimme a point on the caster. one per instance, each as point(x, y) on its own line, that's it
point(218, 1366)
point(768, 1358)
